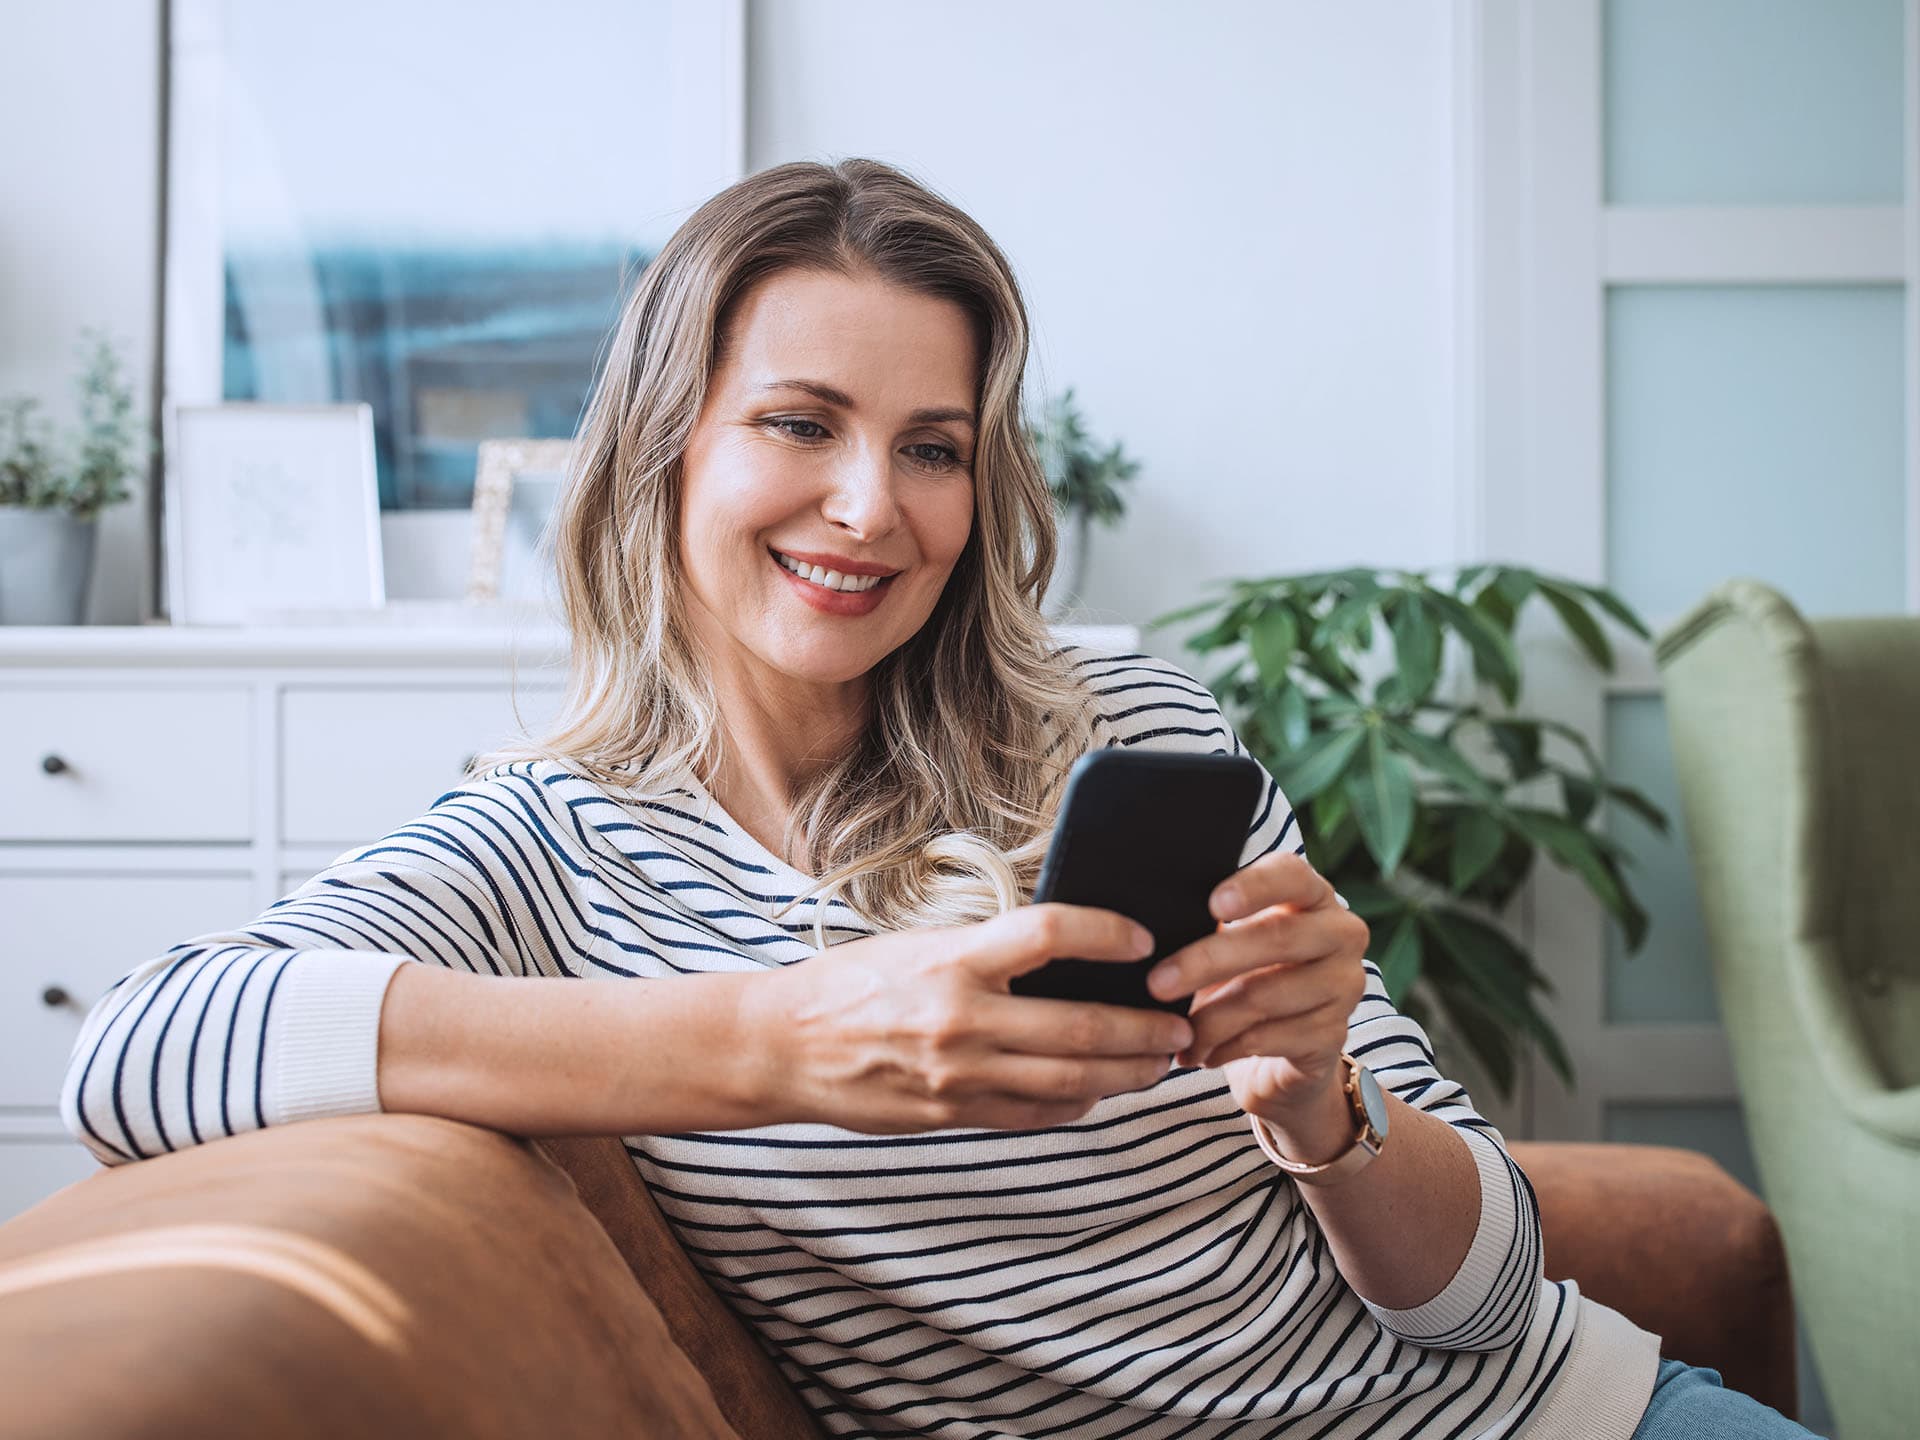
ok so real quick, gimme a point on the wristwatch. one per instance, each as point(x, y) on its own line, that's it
point(1369, 1109)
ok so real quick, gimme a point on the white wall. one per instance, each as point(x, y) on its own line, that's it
point(1234, 224)
point(79, 227)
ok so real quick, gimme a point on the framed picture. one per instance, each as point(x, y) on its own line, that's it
point(450, 247)
point(270, 509)
point(513, 494)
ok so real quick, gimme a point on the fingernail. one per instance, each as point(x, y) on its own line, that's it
point(1183, 1037)
point(1142, 940)
point(1165, 982)
point(1226, 901)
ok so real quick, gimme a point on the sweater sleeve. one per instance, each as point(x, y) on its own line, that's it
point(1489, 1302)
point(278, 1020)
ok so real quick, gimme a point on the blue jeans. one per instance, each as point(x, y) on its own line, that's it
point(1689, 1403)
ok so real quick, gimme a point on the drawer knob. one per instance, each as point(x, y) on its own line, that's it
point(53, 997)
point(53, 764)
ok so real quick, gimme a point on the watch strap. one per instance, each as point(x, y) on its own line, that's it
point(1365, 1145)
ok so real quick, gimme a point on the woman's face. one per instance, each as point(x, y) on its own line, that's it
point(878, 473)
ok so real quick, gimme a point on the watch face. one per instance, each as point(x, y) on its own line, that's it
point(1375, 1102)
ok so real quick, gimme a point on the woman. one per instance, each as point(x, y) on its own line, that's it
point(801, 550)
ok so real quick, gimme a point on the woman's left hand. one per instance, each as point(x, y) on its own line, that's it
point(1273, 987)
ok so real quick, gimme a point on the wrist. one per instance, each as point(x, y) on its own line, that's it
point(761, 1075)
point(1314, 1130)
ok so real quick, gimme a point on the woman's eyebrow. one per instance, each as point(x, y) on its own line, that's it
point(832, 396)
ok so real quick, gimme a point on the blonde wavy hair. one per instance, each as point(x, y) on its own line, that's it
point(940, 812)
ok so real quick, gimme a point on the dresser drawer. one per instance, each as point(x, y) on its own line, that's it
point(126, 762)
point(357, 762)
point(75, 934)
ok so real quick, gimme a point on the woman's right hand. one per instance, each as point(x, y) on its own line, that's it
point(916, 1030)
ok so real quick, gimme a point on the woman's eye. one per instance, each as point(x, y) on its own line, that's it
point(813, 423)
point(944, 457)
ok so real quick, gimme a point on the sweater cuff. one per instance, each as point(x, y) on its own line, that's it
point(1442, 1320)
point(323, 1041)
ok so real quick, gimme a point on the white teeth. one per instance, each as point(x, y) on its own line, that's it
point(829, 579)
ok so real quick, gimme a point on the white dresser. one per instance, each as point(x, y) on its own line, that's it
point(158, 783)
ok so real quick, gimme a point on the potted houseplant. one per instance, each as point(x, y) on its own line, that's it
point(50, 500)
point(1424, 811)
point(1085, 482)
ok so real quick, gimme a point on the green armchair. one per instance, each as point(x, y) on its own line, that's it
point(1797, 749)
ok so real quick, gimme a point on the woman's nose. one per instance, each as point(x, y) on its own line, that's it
point(862, 496)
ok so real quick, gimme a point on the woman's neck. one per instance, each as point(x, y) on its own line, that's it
point(769, 757)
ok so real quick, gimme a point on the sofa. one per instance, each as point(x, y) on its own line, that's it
point(408, 1275)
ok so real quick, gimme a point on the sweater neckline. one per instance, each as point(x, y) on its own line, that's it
point(712, 810)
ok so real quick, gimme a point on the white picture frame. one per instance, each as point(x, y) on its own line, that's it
point(512, 555)
point(270, 509)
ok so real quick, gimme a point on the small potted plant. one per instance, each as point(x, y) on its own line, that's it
point(1085, 483)
point(49, 501)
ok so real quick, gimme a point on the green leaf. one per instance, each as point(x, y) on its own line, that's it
point(1381, 791)
point(1343, 621)
point(1400, 962)
point(1226, 630)
point(1614, 606)
point(1173, 617)
point(1416, 648)
point(1443, 760)
point(1500, 972)
point(1222, 683)
point(1581, 795)
point(1295, 722)
point(1574, 616)
point(1330, 808)
point(1516, 583)
point(1494, 660)
point(1372, 900)
point(1491, 1044)
point(1495, 606)
point(1271, 643)
point(1477, 842)
point(1467, 576)
point(1635, 801)
point(1519, 743)
point(1589, 856)
point(1318, 763)
point(1337, 706)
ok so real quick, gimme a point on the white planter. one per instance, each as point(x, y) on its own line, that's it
point(46, 562)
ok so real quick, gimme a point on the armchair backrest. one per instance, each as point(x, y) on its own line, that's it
point(1797, 750)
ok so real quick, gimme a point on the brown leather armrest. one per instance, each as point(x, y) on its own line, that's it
point(1670, 1240)
point(373, 1275)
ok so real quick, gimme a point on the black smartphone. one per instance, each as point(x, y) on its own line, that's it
point(1149, 833)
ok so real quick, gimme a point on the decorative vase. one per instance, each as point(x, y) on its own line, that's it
point(46, 562)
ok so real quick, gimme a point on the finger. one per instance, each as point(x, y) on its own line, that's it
point(1278, 993)
point(1289, 1036)
point(1051, 1080)
point(1028, 937)
point(1274, 936)
point(1034, 1025)
point(1281, 878)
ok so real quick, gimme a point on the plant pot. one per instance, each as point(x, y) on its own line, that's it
point(46, 562)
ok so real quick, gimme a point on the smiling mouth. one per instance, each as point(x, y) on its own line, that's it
point(850, 585)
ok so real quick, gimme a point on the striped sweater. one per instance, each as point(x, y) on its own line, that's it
point(1142, 1271)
